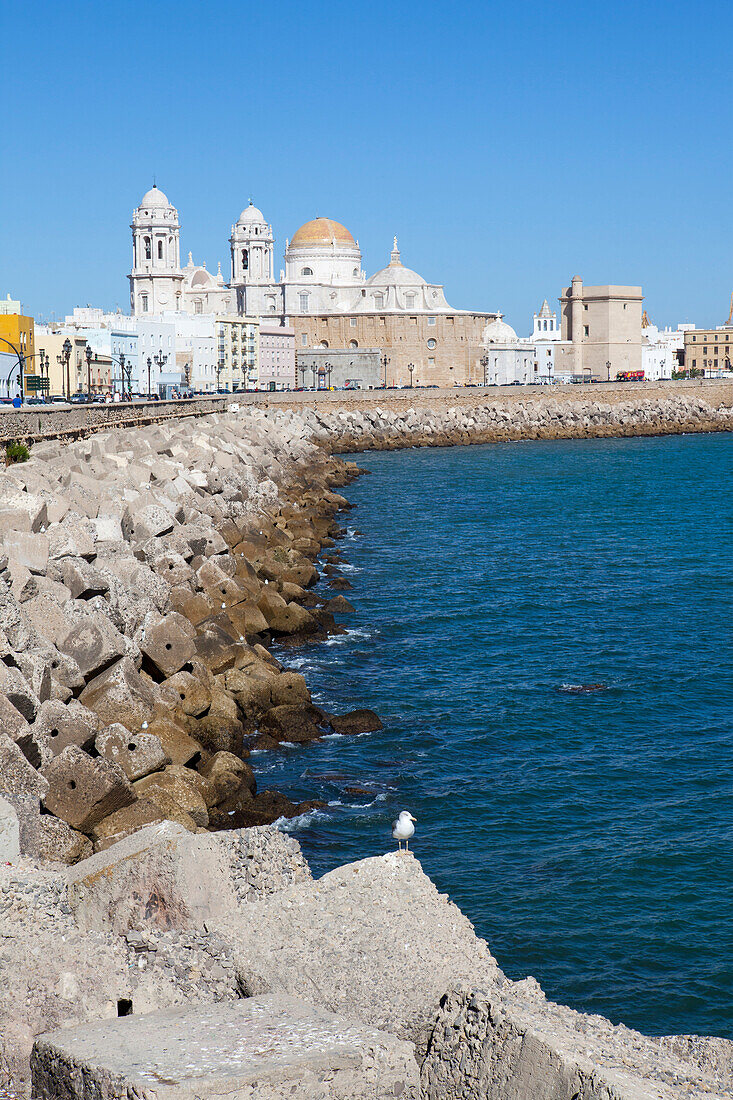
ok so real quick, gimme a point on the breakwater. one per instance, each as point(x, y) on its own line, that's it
point(144, 576)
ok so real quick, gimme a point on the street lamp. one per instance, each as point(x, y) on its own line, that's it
point(411, 368)
point(65, 359)
point(160, 360)
point(88, 356)
point(385, 361)
point(328, 368)
point(608, 370)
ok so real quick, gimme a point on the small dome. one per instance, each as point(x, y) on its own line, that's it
point(498, 332)
point(154, 197)
point(322, 231)
point(250, 215)
point(396, 274)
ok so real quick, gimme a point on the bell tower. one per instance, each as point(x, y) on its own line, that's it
point(252, 249)
point(156, 278)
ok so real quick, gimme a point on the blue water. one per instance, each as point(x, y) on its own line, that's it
point(587, 836)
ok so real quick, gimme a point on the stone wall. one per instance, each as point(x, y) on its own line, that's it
point(50, 422)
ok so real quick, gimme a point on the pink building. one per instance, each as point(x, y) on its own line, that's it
point(277, 357)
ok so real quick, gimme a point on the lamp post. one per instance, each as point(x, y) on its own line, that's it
point(608, 370)
point(65, 359)
point(88, 356)
point(385, 361)
point(328, 367)
point(314, 372)
point(160, 361)
point(20, 368)
point(411, 368)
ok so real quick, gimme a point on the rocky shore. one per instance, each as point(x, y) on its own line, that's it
point(144, 576)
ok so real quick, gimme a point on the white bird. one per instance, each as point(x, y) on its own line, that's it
point(403, 829)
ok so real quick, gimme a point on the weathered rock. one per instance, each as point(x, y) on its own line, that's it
point(226, 773)
point(59, 724)
point(217, 733)
point(82, 580)
point(289, 688)
point(30, 550)
point(82, 790)
point(269, 1047)
point(23, 787)
point(177, 744)
point(184, 794)
point(162, 877)
point(59, 843)
point(93, 643)
point(9, 832)
point(18, 692)
point(297, 722)
point(120, 695)
point(356, 721)
point(168, 644)
point(110, 830)
point(137, 754)
point(187, 692)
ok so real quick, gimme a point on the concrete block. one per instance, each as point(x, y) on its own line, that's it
point(162, 876)
point(23, 787)
point(93, 643)
point(9, 833)
point(168, 643)
point(173, 785)
point(120, 694)
point(137, 754)
point(83, 790)
point(30, 549)
point(18, 691)
point(149, 522)
point(82, 579)
point(187, 692)
point(59, 725)
point(268, 1047)
point(12, 722)
point(59, 843)
point(130, 819)
point(72, 538)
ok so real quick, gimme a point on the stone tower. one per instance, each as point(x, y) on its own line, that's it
point(252, 245)
point(156, 277)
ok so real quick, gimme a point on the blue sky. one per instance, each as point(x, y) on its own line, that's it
point(509, 146)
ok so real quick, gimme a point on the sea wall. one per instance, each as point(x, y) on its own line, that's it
point(144, 575)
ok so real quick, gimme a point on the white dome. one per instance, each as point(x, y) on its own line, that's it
point(250, 215)
point(498, 332)
point(396, 275)
point(154, 197)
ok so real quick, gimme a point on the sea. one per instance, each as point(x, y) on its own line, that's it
point(544, 629)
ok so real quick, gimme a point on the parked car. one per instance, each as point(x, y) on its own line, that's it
point(80, 398)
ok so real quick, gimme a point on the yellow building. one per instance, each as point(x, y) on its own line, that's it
point(64, 382)
point(16, 336)
point(709, 350)
point(238, 352)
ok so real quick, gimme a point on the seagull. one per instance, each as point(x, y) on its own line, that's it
point(403, 829)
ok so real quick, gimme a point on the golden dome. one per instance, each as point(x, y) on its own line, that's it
point(322, 231)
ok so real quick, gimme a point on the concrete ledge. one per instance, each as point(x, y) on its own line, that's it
point(50, 422)
point(268, 1048)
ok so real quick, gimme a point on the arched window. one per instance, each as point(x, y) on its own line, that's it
point(160, 250)
point(356, 272)
point(307, 271)
point(323, 344)
point(353, 344)
point(245, 259)
point(148, 253)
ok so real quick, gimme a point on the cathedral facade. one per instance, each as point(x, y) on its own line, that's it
point(322, 291)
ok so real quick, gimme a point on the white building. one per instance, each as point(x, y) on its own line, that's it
point(322, 273)
point(661, 350)
point(507, 359)
point(546, 335)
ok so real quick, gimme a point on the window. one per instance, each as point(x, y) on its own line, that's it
point(586, 330)
point(303, 301)
point(378, 301)
point(160, 250)
point(353, 344)
point(694, 362)
point(144, 303)
point(356, 272)
point(431, 344)
point(431, 320)
point(323, 344)
point(352, 322)
point(409, 301)
point(307, 271)
point(431, 362)
point(148, 254)
point(198, 306)
point(245, 259)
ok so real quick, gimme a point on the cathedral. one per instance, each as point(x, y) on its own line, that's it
point(323, 272)
point(322, 292)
